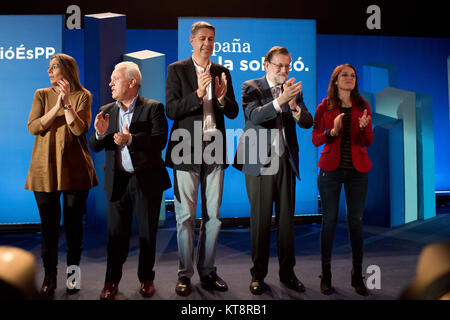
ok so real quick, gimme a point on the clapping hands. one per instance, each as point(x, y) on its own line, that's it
point(364, 120)
point(101, 123)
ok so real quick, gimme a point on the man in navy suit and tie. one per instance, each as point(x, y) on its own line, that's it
point(268, 155)
point(199, 94)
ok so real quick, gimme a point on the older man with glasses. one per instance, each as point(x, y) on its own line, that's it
point(273, 106)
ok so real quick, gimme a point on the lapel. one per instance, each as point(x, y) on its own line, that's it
point(285, 107)
point(266, 93)
point(330, 115)
point(215, 72)
point(113, 118)
point(137, 111)
point(114, 115)
point(189, 69)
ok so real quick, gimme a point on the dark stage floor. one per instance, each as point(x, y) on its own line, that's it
point(395, 251)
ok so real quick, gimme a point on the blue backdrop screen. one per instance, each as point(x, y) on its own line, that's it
point(240, 45)
point(26, 44)
point(23, 71)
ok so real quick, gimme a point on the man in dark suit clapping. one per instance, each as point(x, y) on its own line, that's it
point(133, 133)
point(199, 94)
point(268, 155)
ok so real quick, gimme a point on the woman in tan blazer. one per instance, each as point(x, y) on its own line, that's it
point(60, 163)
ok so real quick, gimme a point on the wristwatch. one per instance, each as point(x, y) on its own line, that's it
point(67, 107)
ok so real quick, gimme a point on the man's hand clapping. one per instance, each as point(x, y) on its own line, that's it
point(101, 123)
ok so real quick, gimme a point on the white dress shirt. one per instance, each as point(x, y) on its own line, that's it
point(209, 119)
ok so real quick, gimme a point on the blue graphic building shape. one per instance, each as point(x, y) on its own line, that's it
point(152, 65)
point(105, 45)
point(401, 187)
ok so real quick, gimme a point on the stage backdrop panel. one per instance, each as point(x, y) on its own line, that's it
point(240, 45)
point(26, 45)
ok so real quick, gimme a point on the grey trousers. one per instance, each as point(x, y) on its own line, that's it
point(186, 187)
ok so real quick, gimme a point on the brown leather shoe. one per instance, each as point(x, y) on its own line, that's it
point(109, 291)
point(147, 289)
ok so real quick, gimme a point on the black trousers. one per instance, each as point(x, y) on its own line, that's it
point(128, 198)
point(355, 185)
point(49, 205)
point(263, 191)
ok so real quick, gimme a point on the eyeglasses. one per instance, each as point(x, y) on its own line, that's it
point(54, 66)
point(280, 66)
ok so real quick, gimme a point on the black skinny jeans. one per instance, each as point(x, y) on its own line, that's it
point(74, 205)
point(355, 186)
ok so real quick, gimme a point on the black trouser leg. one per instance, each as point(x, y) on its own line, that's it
point(285, 201)
point(147, 208)
point(50, 211)
point(260, 195)
point(355, 187)
point(119, 230)
point(74, 207)
point(329, 184)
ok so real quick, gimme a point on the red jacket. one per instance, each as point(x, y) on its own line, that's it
point(331, 154)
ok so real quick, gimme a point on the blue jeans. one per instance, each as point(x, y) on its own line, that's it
point(186, 185)
point(355, 186)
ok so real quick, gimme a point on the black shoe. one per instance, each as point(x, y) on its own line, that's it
point(214, 281)
point(183, 287)
point(72, 291)
point(325, 284)
point(257, 287)
point(49, 285)
point(358, 283)
point(294, 284)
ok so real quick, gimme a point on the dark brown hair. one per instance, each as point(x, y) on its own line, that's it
point(200, 25)
point(69, 70)
point(275, 50)
point(333, 100)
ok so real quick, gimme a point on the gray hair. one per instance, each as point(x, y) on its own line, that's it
point(131, 71)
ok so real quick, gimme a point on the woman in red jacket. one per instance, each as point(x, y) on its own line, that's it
point(343, 123)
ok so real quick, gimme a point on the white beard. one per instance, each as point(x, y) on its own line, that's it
point(279, 79)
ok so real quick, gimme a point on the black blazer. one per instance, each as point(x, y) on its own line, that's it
point(149, 136)
point(183, 107)
point(260, 116)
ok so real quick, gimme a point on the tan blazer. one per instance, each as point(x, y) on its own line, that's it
point(60, 159)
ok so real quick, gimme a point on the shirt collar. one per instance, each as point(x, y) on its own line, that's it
point(131, 107)
point(198, 68)
point(271, 84)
